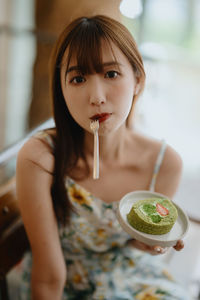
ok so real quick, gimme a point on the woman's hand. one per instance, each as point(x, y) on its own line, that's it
point(179, 245)
point(154, 250)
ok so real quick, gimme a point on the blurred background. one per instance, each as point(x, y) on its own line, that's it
point(168, 35)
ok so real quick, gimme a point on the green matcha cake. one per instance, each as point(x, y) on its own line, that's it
point(153, 215)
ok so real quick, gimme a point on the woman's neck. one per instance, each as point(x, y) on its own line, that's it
point(111, 146)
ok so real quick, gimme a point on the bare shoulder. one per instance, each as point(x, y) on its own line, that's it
point(38, 152)
point(148, 148)
point(172, 161)
point(170, 172)
point(151, 146)
point(169, 175)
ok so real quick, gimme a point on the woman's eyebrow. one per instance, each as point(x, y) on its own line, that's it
point(111, 63)
point(106, 64)
point(73, 68)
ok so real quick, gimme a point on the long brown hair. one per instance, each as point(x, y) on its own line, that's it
point(83, 39)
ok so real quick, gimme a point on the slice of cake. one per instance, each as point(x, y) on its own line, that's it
point(153, 215)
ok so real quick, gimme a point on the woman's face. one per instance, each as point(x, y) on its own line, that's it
point(106, 96)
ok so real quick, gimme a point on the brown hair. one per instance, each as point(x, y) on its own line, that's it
point(83, 39)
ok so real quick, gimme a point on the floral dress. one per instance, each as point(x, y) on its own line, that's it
point(100, 264)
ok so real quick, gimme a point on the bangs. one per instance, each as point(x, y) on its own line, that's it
point(85, 48)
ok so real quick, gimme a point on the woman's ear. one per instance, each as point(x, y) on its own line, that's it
point(137, 89)
point(129, 121)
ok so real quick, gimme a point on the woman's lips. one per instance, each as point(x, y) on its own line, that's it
point(101, 117)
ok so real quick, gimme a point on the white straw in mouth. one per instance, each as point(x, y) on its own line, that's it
point(94, 126)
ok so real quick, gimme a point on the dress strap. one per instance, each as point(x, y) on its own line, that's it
point(47, 137)
point(158, 165)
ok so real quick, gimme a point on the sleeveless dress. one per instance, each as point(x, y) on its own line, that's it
point(100, 264)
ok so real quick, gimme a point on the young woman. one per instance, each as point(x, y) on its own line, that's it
point(79, 250)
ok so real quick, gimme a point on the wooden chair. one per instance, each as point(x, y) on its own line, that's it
point(13, 239)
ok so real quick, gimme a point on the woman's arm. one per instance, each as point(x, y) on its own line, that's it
point(169, 178)
point(34, 179)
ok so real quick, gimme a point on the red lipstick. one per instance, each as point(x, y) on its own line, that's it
point(101, 117)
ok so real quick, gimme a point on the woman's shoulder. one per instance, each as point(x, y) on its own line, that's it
point(154, 147)
point(148, 147)
point(169, 159)
point(38, 150)
point(170, 172)
point(158, 152)
point(172, 159)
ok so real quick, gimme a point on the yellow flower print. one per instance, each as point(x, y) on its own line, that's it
point(148, 294)
point(77, 278)
point(114, 244)
point(110, 224)
point(79, 195)
point(131, 262)
point(147, 297)
point(168, 275)
point(101, 232)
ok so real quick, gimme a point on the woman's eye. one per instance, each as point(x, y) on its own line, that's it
point(111, 74)
point(77, 79)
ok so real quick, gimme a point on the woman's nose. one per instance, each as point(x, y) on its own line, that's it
point(97, 93)
point(97, 100)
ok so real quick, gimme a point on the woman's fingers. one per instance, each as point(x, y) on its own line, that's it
point(179, 245)
point(153, 250)
point(160, 250)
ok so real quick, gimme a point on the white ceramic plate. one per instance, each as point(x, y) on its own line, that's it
point(169, 239)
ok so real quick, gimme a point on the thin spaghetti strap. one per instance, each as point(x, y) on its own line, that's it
point(44, 135)
point(157, 166)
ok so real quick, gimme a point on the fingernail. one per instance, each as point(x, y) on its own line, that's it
point(158, 249)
